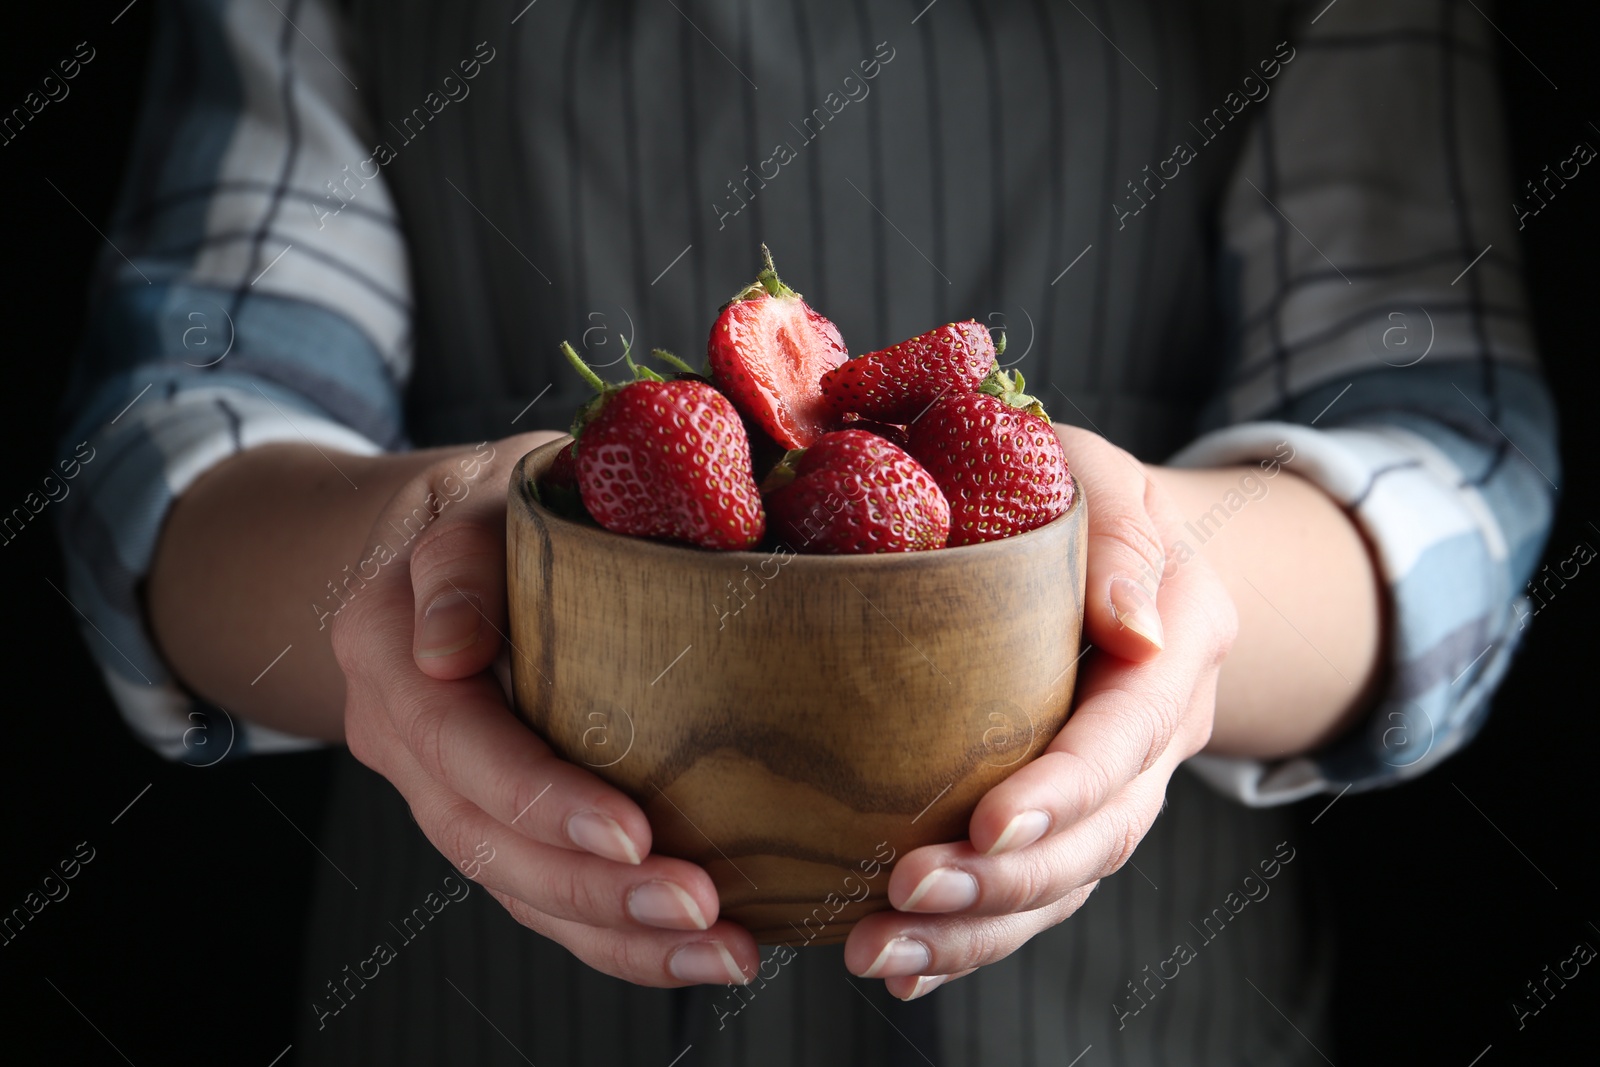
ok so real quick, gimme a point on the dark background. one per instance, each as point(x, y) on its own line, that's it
point(180, 939)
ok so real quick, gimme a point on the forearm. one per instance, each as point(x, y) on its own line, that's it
point(245, 554)
point(1310, 647)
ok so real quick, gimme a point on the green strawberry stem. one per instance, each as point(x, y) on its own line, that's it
point(1008, 389)
point(672, 361)
point(767, 282)
point(784, 472)
point(602, 390)
point(1000, 344)
point(640, 374)
point(583, 369)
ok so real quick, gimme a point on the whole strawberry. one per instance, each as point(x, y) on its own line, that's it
point(855, 492)
point(557, 489)
point(768, 352)
point(888, 430)
point(666, 459)
point(996, 457)
point(897, 384)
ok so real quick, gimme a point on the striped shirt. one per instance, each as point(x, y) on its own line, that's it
point(1248, 232)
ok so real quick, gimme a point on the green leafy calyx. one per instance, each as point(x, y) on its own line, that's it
point(604, 390)
point(1009, 388)
point(767, 282)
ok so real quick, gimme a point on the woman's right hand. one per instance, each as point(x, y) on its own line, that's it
point(570, 854)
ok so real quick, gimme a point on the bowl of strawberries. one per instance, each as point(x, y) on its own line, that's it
point(805, 608)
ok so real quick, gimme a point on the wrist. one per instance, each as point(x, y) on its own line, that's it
point(1310, 650)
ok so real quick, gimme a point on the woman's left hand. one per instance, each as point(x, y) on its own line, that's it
point(1041, 840)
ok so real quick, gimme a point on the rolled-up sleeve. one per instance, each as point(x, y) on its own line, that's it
point(1381, 350)
point(254, 289)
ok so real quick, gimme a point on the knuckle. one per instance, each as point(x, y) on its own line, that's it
point(413, 510)
point(1165, 714)
point(618, 956)
point(529, 917)
point(575, 897)
point(1032, 885)
point(452, 828)
point(1100, 779)
point(992, 940)
point(1124, 837)
point(1077, 783)
point(425, 738)
point(1137, 533)
point(522, 797)
point(982, 944)
point(1077, 898)
point(345, 637)
point(439, 546)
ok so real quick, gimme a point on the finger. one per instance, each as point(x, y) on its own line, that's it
point(1126, 719)
point(1126, 554)
point(952, 878)
point(458, 561)
point(922, 985)
point(463, 735)
point(661, 892)
point(888, 944)
point(724, 954)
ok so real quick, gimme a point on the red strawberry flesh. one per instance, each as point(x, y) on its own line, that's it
point(768, 352)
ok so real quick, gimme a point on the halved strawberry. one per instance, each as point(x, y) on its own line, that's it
point(855, 492)
point(997, 458)
point(897, 384)
point(768, 352)
point(666, 459)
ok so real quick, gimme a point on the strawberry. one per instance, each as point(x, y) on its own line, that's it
point(765, 453)
point(666, 459)
point(558, 488)
point(563, 470)
point(768, 351)
point(855, 492)
point(887, 430)
point(996, 457)
point(897, 384)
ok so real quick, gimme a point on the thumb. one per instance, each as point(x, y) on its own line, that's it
point(1125, 549)
point(458, 567)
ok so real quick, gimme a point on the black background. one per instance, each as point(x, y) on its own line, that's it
point(179, 941)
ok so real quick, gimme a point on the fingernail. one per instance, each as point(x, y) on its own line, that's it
point(1023, 830)
point(450, 624)
point(1135, 610)
point(927, 984)
point(665, 905)
point(600, 834)
point(707, 962)
point(901, 956)
point(944, 889)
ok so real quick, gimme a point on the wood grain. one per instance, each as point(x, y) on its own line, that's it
point(792, 723)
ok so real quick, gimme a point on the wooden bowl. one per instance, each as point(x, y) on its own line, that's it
point(792, 723)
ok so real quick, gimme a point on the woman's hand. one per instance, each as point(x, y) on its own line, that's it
point(1041, 840)
point(570, 855)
